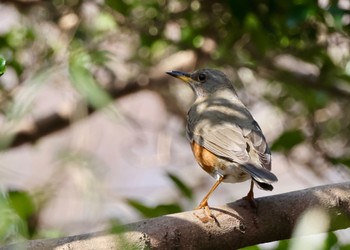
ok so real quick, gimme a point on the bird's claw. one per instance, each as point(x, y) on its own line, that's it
point(253, 203)
point(208, 216)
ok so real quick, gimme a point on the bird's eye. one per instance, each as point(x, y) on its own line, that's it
point(202, 77)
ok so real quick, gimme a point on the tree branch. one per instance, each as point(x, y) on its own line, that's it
point(237, 224)
point(57, 121)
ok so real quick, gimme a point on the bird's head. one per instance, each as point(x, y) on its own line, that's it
point(204, 82)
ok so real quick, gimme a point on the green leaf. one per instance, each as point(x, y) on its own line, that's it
point(344, 161)
point(119, 5)
point(331, 241)
point(149, 212)
point(22, 203)
point(288, 140)
point(2, 65)
point(12, 226)
point(85, 83)
point(251, 248)
point(283, 245)
point(101, 57)
point(104, 22)
point(183, 188)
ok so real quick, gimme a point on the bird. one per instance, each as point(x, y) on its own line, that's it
point(226, 140)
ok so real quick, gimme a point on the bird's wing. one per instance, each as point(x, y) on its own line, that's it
point(226, 141)
point(255, 135)
point(243, 144)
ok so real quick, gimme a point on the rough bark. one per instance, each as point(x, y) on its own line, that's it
point(236, 225)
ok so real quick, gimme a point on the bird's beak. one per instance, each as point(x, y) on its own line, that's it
point(183, 76)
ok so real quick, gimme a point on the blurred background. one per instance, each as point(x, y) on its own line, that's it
point(92, 129)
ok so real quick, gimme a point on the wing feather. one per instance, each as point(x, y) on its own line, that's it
point(240, 142)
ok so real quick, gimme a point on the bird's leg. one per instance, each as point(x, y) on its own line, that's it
point(250, 195)
point(204, 202)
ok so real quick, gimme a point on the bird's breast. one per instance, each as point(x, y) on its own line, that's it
point(206, 159)
point(214, 165)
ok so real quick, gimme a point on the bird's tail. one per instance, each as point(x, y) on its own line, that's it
point(261, 176)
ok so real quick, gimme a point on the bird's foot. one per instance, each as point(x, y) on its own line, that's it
point(208, 216)
point(253, 203)
point(250, 196)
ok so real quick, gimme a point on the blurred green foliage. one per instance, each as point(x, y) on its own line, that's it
point(181, 186)
point(18, 216)
point(312, 91)
point(288, 140)
point(2, 65)
point(82, 79)
point(154, 211)
point(163, 209)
